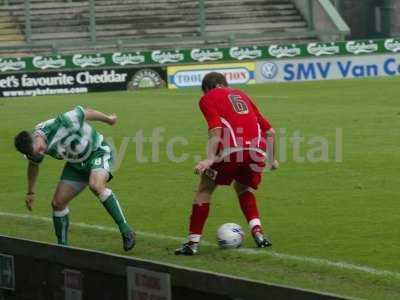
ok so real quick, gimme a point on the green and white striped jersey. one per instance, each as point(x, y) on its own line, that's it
point(68, 137)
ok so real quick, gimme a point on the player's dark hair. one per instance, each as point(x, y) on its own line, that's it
point(24, 142)
point(213, 80)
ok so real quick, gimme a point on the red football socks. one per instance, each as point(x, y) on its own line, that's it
point(198, 218)
point(249, 206)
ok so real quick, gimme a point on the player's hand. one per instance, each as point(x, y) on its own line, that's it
point(29, 198)
point(274, 165)
point(112, 119)
point(203, 165)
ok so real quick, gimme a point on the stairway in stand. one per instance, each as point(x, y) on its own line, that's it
point(154, 24)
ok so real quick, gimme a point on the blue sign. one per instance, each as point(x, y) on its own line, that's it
point(328, 68)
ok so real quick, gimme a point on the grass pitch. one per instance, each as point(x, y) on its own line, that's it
point(334, 224)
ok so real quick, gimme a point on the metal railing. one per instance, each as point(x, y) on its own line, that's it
point(333, 14)
point(92, 21)
point(310, 14)
point(28, 24)
point(323, 18)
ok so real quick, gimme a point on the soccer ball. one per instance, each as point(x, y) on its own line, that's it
point(230, 235)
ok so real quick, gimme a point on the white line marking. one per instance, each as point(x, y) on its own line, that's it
point(249, 251)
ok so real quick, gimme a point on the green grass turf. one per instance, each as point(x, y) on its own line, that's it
point(341, 211)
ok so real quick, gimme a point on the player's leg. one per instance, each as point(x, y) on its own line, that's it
point(249, 177)
point(66, 190)
point(100, 164)
point(97, 184)
point(248, 204)
point(200, 210)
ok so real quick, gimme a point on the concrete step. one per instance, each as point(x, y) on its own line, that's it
point(57, 23)
point(285, 21)
point(149, 13)
point(45, 6)
point(253, 26)
point(4, 14)
point(9, 31)
point(294, 20)
point(74, 7)
point(58, 17)
point(226, 3)
point(262, 20)
point(113, 34)
point(19, 2)
point(7, 53)
point(248, 9)
point(117, 22)
point(122, 11)
point(12, 38)
point(145, 17)
point(161, 32)
point(121, 27)
point(145, 2)
point(60, 36)
point(252, 7)
point(60, 29)
point(190, 3)
point(60, 11)
point(12, 44)
point(243, 13)
point(6, 19)
point(136, 9)
point(8, 25)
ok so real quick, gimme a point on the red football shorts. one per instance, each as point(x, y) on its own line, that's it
point(244, 167)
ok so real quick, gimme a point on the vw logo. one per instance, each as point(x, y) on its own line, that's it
point(269, 70)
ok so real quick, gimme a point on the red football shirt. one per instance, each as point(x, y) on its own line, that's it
point(243, 126)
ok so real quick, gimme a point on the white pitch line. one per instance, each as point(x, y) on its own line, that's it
point(284, 256)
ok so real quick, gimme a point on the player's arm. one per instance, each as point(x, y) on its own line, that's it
point(75, 119)
point(32, 174)
point(214, 138)
point(270, 133)
point(271, 140)
point(214, 134)
point(94, 115)
point(264, 123)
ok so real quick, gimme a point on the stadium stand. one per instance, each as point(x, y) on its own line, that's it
point(57, 25)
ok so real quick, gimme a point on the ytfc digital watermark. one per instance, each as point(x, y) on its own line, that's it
point(290, 146)
point(155, 147)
